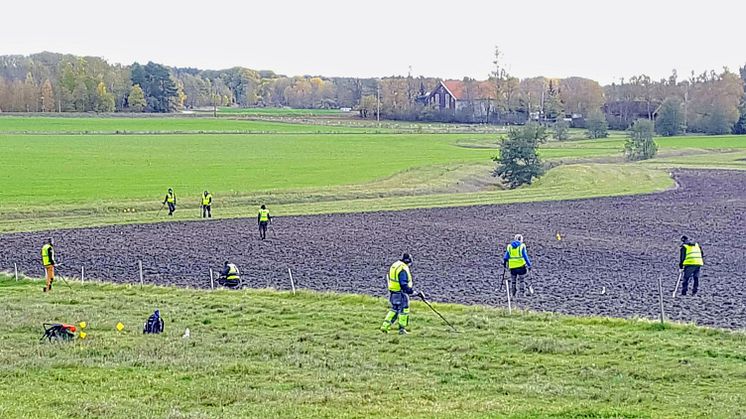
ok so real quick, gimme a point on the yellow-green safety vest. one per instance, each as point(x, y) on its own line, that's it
point(263, 215)
point(693, 255)
point(45, 250)
point(515, 256)
point(232, 272)
point(207, 200)
point(171, 197)
point(394, 272)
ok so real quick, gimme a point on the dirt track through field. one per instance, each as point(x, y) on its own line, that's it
point(623, 244)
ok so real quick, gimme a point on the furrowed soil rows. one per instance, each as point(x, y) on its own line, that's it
point(621, 244)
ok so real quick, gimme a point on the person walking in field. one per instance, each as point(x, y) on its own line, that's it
point(516, 259)
point(206, 205)
point(400, 288)
point(47, 260)
point(230, 276)
point(264, 219)
point(691, 260)
point(170, 199)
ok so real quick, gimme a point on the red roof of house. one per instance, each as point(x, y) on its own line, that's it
point(457, 88)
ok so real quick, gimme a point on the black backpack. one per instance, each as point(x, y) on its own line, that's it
point(154, 324)
point(58, 331)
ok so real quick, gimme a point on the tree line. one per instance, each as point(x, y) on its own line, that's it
point(710, 102)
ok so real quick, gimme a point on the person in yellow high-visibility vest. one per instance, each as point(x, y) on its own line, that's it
point(230, 276)
point(207, 205)
point(400, 288)
point(263, 218)
point(170, 199)
point(516, 259)
point(691, 260)
point(47, 260)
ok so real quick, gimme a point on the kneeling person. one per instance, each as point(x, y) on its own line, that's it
point(230, 276)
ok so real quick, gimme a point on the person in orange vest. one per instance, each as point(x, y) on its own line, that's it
point(691, 260)
point(47, 260)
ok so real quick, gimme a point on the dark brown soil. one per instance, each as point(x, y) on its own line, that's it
point(623, 244)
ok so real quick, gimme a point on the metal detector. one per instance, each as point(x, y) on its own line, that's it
point(422, 297)
point(678, 281)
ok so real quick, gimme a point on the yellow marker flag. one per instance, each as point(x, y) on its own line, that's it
point(83, 325)
point(82, 335)
point(558, 236)
point(120, 327)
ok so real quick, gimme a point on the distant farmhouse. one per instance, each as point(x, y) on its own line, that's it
point(473, 98)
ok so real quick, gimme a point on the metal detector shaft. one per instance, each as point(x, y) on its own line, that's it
point(681, 274)
point(422, 297)
point(530, 282)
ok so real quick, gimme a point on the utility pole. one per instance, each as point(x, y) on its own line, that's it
point(378, 103)
point(215, 103)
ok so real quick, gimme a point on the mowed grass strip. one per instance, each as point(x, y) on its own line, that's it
point(165, 125)
point(438, 189)
point(262, 353)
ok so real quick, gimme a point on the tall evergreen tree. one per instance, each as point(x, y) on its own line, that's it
point(161, 93)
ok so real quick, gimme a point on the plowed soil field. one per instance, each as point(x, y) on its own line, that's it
point(611, 253)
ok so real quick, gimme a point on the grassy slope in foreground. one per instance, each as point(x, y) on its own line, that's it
point(564, 182)
point(271, 354)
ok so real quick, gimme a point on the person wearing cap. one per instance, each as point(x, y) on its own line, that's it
point(47, 260)
point(691, 260)
point(400, 288)
point(516, 259)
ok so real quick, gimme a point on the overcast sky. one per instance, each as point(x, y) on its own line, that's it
point(601, 40)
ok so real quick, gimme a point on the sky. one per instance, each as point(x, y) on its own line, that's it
point(601, 40)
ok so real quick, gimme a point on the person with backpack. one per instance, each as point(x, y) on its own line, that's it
point(154, 324)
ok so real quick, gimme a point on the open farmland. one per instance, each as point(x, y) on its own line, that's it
point(105, 178)
point(620, 245)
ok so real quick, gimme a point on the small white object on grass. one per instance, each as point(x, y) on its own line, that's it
point(603, 290)
point(186, 334)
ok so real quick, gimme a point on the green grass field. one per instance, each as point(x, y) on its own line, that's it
point(281, 112)
point(171, 124)
point(262, 353)
point(71, 179)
